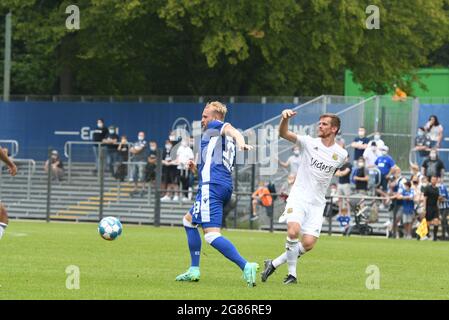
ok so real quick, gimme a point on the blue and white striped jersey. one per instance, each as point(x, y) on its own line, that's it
point(217, 156)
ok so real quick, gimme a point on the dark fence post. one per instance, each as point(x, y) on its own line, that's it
point(49, 184)
point(253, 188)
point(101, 176)
point(236, 182)
point(157, 191)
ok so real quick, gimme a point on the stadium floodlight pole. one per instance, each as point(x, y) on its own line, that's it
point(49, 184)
point(7, 68)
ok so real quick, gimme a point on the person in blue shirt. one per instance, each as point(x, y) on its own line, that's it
point(217, 155)
point(407, 209)
point(386, 165)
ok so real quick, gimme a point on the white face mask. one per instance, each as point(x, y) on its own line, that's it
point(361, 134)
point(384, 153)
point(420, 133)
point(111, 131)
point(432, 156)
point(376, 137)
point(296, 152)
point(361, 164)
point(152, 148)
point(172, 138)
point(141, 138)
point(168, 146)
point(100, 125)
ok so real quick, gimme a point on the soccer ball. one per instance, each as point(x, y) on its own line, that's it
point(110, 228)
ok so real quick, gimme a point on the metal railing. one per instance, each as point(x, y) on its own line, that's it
point(68, 153)
point(31, 166)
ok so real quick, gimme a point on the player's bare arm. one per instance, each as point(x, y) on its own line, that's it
point(230, 131)
point(283, 127)
point(11, 166)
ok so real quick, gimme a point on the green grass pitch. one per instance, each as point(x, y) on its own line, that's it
point(144, 261)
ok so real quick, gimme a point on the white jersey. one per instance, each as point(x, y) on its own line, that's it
point(317, 167)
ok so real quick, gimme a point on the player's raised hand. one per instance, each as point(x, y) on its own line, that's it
point(245, 147)
point(191, 165)
point(12, 170)
point(288, 113)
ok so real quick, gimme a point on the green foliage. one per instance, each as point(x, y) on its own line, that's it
point(245, 47)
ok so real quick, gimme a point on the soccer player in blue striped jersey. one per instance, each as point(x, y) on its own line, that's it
point(12, 170)
point(217, 157)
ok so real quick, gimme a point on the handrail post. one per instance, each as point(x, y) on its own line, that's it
point(70, 161)
point(29, 181)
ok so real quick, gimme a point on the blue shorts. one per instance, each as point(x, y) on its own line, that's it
point(210, 200)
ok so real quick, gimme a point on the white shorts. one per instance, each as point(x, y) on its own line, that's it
point(2, 230)
point(309, 217)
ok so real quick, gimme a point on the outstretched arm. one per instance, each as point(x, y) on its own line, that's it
point(283, 127)
point(12, 167)
point(229, 130)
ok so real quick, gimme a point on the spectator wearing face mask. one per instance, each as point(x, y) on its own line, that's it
point(150, 170)
point(435, 131)
point(361, 177)
point(360, 143)
point(57, 168)
point(169, 172)
point(422, 146)
point(292, 163)
point(433, 166)
point(122, 156)
point(98, 135)
point(386, 165)
point(377, 139)
point(371, 154)
point(110, 142)
point(344, 186)
point(138, 152)
point(183, 155)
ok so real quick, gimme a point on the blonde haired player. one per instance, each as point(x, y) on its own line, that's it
point(320, 158)
point(13, 171)
point(217, 155)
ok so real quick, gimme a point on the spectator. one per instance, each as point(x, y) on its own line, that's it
point(406, 211)
point(386, 165)
point(57, 168)
point(415, 172)
point(396, 185)
point(433, 166)
point(110, 141)
point(422, 146)
point(262, 196)
point(170, 174)
point(183, 155)
point(122, 155)
point(399, 94)
point(139, 157)
point(344, 187)
point(292, 163)
point(98, 135)
point(377, 139)
point(435, 131)
point(360, 144)
point(431, 198)
point(150, 169)
point(371, 154)
point(444, 208)
point(361, 177)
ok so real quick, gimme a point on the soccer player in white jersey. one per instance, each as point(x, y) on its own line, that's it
point(12, 170)
point(214, 191)
point(320, 158)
